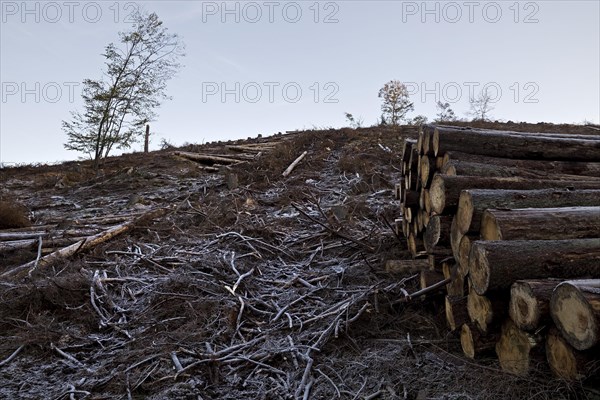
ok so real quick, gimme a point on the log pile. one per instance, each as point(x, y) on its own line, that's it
point(511, 221)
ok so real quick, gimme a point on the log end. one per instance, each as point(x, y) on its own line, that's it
point(562, 358)
point(466, 341)
point(523, 307)
point(480, 310)
point(513, 349)
point(464, 213)
point(574, 316)
point(490, 229)
point(479, 269)
point(437, 195)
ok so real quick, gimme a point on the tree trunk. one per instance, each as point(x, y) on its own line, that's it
point(464, 252)
point(473, 202)
point(580, 168)
point(445, 190)
point(517, 350)
point(575, 309)
point(456, 311)
point(529, 305)
point(429, 278)
point(498, 264)
point(426, 170)
point(568, 363)
point(461, 168)
point(515, 145)
point(541, 223)
point(474, 343)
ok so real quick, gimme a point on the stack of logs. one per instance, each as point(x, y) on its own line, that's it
point(512, 221)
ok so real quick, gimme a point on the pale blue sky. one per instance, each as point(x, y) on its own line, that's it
point(544, 56)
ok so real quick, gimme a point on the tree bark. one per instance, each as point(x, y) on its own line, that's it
point(429, 278)
point(426, 170)
point(517, 350)
point(541, 223)
point(473, 202)
point(575, 309)
point(445, 190)
point(456, 286)
point(580, 168)
point(456, 311)
point(515, 145)
point(529, 305)
point(498, 264)
point(406, 267)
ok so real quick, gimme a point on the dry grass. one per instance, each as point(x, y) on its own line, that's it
point(13, 215)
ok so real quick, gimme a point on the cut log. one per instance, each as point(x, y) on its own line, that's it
point(568, 363)
point(456, 286)
point(406, 267)
point(474, 343)
point(429, 278)
point(406, 150)
point(498, 264)
point(456, 311)
point(575, 309)
point(207, 158)
point(515, 145)
point(541, 223)
point(473, 202)
point(437, 232)
point(411, 198)
point(445, 190)
point(464, 252)
point(415, 244)
point(517, 350)
point(529, 305)
point(486, 312)
point(553, 167)
point(490, 170)
point(426, 170)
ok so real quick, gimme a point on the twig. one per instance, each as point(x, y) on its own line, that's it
point(424, 291)
point(12, 356)
point(39, 255)
point(176, 362)
point(330, 229)
point(65, 355)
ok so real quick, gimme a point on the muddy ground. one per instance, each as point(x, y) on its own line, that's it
point(251, 286)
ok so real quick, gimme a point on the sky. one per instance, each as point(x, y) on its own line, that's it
point(261, 67)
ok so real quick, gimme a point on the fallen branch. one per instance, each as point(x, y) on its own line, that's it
point(293, 165)
point(81, 245)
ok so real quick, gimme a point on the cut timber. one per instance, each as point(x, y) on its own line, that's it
point(429, 278)
point(445, 190)
point(406, 151)
point(529, 305)
point(485, 312)
point(490, 170)
point(456, 286)
point(206, 158)
point(12, 245)
point(515, 145)
point(411, 198)
point(553, 167)
point(464, 252)
point(541, 223)
point(426, 170)
point(474, 343)
point(415, 244)
point(575, 309)
point(294, 164)
point(473, 202)
point(81, 245)
point(568, 363)
point(437, 232)
point(406, 267)
point(517, 350)
point(456, 311)
point(498, 264)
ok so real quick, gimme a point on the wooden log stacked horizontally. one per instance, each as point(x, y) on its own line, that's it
point(512, 221)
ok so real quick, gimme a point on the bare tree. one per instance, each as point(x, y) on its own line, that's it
point(117, 106)
point(481, 106)
point(396, 102)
